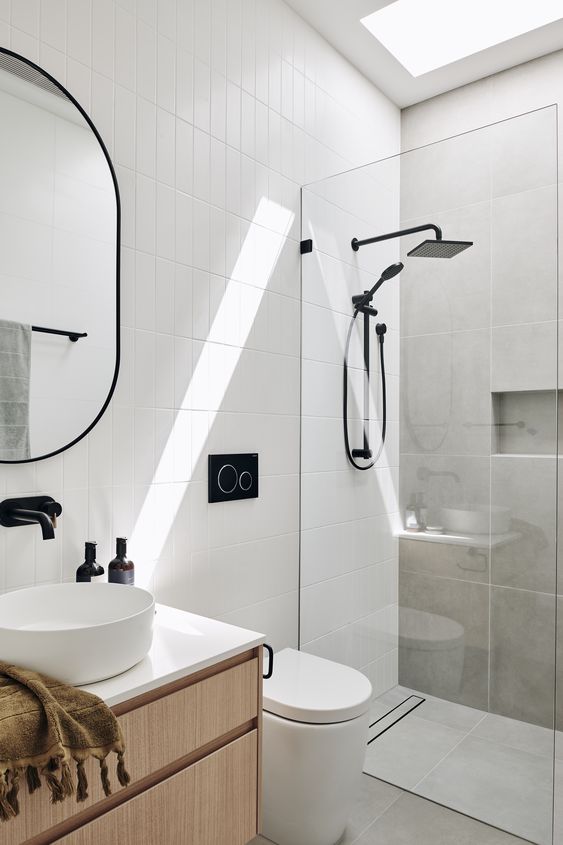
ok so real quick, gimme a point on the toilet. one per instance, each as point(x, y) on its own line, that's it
point(316, 716)
point(431, 652)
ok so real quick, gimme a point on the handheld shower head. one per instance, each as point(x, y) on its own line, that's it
point(389, 273)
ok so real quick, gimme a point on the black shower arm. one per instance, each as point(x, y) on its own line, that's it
point(356, 244)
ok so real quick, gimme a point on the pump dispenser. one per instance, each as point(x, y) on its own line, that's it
point(89, 570)
point(121, 570)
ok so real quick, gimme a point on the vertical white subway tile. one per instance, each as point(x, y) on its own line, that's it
point(185, 85)
point(218, 122)
point(202, 95)
point(145, 291)
point(146, 137)
point(125, 126)
point(202, 30)
point(202, 152)
point(233, 115)
point(53, 23)
point(167, 17)
point(184, 156)
point(234, 41)
point(219, 36)
point(145, 223)
point(103, 37)
point(79, 30)
point(125, 48)
point(25, 16)
point(184, 225)
point(165, 147)
point(146, 61)
point(165, 221)
point(164, 310)
point(166, 74)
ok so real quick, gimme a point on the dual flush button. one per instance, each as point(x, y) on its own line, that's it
point(233, 477)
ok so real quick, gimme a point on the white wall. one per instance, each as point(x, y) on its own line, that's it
point(214, 113)
point(348, 551)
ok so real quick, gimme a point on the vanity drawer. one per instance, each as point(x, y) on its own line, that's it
point(160, 729)
point(212, 802)
point(175, 725)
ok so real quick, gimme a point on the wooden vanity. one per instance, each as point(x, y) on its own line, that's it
point(193, 752)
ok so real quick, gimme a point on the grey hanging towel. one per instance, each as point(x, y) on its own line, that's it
point(15, 368)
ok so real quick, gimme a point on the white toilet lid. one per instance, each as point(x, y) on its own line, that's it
point(306, 688)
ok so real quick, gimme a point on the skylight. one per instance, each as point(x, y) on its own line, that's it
point(427, 34)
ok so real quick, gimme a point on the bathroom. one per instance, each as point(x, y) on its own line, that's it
point(330, 441)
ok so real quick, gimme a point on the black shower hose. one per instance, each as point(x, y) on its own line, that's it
point(381, 337)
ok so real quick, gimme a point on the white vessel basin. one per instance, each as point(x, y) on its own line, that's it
point(76, 633)
point(478, 519)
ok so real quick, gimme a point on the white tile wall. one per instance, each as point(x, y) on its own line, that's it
point(206, 108)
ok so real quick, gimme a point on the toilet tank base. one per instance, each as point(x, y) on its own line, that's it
point(311, 778)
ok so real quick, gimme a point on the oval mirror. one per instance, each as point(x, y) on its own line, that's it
point(59, 266)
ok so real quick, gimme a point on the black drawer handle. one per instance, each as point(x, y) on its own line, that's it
point(270, 671)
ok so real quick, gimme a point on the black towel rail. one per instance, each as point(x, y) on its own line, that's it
point(73, 336)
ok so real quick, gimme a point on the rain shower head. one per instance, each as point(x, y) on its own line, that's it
point(439, 249)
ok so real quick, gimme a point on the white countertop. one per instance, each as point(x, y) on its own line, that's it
point(479, 541)
point(183, 644)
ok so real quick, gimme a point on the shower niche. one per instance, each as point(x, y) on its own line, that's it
point(525, 422)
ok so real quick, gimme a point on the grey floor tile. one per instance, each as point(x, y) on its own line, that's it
point(373, 799)
point(414, 820)
point(407, 752)
point(517, 734)
point(502, 786)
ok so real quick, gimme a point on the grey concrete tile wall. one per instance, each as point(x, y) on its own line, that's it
point(467, 563)
point(435, 666)
point(523, 655)
point(528, 486)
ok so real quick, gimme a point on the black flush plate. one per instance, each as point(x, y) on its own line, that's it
point(232, 477)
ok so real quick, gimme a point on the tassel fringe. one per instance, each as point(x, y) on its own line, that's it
point(104, 774)
point(123, 775)
point(57, 774)
point(33, 779)
point(6, 809)
point(12, 796)
point(82, 788)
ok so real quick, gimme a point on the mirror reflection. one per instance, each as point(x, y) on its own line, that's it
point(58, 267)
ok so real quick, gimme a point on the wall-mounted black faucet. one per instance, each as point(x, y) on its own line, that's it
point(31, 510)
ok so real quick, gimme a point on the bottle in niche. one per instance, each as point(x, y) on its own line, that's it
point(121, 570)
point(89, 570)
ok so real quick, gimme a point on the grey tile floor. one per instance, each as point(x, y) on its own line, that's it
point(386, 815)
point(497, 770)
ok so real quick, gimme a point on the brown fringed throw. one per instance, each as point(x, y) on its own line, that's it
point(44, 727)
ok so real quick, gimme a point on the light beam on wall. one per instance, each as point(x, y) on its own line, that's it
point(255, 264)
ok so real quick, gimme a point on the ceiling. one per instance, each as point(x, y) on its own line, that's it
point(339, 22)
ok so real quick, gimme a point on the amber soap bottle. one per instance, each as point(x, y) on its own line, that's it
point(121, 570)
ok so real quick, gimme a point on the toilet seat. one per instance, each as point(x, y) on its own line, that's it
point(306, 688)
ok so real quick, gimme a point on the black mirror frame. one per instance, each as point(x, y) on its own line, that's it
point(88, 120)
